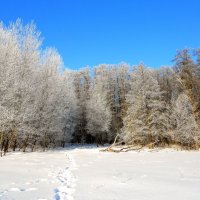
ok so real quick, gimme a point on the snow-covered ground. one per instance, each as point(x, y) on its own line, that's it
point(36, 176)
point(84, 173)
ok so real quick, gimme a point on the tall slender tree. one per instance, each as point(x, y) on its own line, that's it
point(147, 118)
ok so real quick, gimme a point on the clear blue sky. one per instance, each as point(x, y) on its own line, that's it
point(90, 32)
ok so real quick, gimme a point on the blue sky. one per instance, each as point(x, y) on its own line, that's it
point(90, 32)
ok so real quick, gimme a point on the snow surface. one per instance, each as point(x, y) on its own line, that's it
point(84, 173)
point(36, 176)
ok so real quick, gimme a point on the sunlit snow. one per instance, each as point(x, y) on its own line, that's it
point(84, 173)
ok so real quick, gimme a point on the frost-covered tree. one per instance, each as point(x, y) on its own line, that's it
point(167, 83)
point(81, 86)
point(186, 131)
point(118, 81)
point(115, 80)
point(147, 118)
point(37, 100)
point(98, 112)
point(16, 73)
point(9, 56)
point(43, 105)
point(186, 73)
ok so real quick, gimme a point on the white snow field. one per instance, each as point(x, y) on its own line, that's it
point(36, 176)
point(84, 173)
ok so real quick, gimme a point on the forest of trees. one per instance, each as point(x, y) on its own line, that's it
point(44, 105)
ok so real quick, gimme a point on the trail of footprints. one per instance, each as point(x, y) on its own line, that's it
point(62, 177)
point(67, 181)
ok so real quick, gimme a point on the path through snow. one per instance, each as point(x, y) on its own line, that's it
point(67, 180)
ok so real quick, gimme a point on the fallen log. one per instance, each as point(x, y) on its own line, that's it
point(118, 149)
point(113, 144)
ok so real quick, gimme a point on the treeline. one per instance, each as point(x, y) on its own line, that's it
point(43, 105)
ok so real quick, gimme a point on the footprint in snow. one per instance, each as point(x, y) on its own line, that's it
point(3, 192)
point(22, 189)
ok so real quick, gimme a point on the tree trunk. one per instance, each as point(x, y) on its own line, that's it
point(25, 144)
